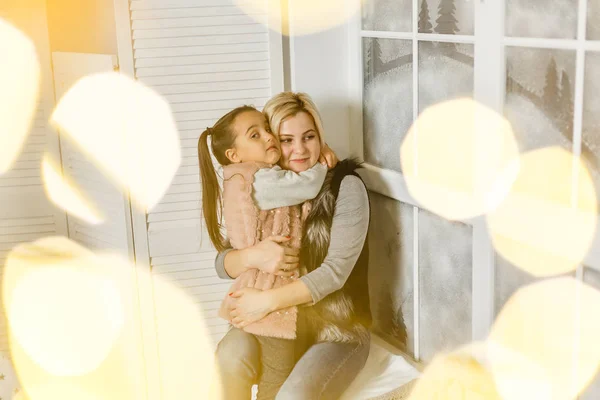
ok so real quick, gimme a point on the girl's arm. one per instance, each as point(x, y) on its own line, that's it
point(276, 187)
point(348, 234)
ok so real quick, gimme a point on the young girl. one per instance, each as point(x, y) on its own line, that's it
point(259, 200)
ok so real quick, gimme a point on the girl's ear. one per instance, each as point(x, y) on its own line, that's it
point(232, 155)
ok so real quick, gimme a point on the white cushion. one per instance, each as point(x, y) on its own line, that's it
point(383, 372)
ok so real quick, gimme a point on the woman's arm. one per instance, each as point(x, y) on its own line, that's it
point(268, 256)
point(348, 233)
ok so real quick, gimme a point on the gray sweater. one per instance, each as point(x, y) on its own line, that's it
point(348, 233)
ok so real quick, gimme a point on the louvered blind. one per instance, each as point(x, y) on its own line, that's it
point(26, 214)
point(81, 170)
point(206, 57)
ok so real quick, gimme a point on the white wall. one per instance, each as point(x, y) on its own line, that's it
point(319, 67)
point(82, 26)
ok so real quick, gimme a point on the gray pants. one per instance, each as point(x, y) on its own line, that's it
point(323, 372)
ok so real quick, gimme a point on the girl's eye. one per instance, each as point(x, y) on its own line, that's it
point(254, 135)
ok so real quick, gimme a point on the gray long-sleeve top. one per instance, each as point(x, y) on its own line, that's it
point(348, 233)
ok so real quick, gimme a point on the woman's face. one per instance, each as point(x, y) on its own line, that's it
point(300, 143)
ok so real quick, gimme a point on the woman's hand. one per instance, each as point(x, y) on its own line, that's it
point(328, 157)
point(250, 305)
point(269, 256)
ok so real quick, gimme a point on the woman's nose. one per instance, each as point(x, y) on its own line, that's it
point(299, 148)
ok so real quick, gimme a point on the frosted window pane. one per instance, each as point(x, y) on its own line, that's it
point(591, 115)
point(449, 17)
point(592, 392)
point(542, 18)
point(593, 25)
point(509, 278)
point(445, 72)
point(387, 99)
point(539, 97)
point(391, 269)
point(445, 281)
point(387, 15)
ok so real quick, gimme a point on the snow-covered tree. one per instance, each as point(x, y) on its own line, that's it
point(368, 60)
point(565, 102)
point(424, 19)
point(446, 21)
point(551, 91)
point(377, 55)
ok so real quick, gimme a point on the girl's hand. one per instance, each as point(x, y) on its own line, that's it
point(328, 157)
point(250, 305)
point(269, 256)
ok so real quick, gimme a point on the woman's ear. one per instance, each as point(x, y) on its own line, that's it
point(232, 155)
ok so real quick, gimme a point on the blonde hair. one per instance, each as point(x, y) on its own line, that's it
point(287, 104)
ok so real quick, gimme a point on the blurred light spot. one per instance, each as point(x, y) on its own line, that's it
point(456, 376)
point(19, 83)
point(459, 159)
point(102, 329)
point(538, 227)
point(64, 315)
point(550, 331)
point(65, 195)
point(303, 17)
point(127, 129)
point(512, 384)
point(187, 364)
point(55, 391)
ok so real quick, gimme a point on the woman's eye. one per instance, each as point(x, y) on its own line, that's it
point(285, 140)
point(309, 137)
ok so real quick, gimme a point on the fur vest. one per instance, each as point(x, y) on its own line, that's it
point(344, 315)
point(246, 226)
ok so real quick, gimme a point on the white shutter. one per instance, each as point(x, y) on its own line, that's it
point(26, 214)
point(84, 174)
point(205, 58)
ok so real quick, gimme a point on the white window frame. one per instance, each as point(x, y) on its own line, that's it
point(489, 89)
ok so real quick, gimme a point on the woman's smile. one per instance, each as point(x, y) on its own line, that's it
point(300, 160)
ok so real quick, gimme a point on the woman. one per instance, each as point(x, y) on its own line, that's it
point(335, 254)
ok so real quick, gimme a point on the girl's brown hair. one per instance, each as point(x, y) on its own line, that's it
point(222, 137)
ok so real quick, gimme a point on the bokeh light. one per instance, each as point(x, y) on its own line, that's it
point(307, 16)
point(66, 196)
point(553, 325)
point(458, 375)
point(543, 226)
point(459, 159)
point(77, 308)
point(126, 129)
point(20, 83)
point(75, 328)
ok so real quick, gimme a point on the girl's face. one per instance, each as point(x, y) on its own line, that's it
point(254, 140)
point(300, 143)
